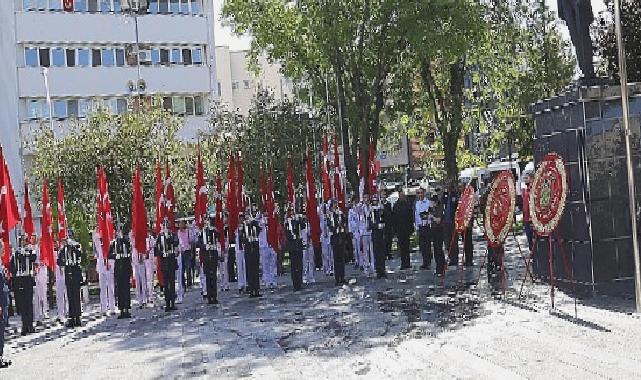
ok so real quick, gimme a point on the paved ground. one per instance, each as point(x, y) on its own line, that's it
point(407, 327)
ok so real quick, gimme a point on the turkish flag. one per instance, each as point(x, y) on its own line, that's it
point(219, 221)
point(46, 243)
point(138, 215)
point(201, 194)
point(105, 218)
point(9, 215)
point(170, 200)
point(62, 215)
point(67, 5)
point(27, 223)
point(232, 201)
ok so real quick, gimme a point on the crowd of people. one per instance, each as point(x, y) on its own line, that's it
point(179, 259)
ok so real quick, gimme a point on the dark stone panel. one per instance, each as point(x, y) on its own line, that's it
point(612, 109)
point(599, 185)
point(580, 228)
point(571, 146)
point(592, 110)
point(557, 144)
point(575, 183)
point(621, 216)
point(577, 119)
point(626, 257)
point(543, 124)
point(605, 260)
point(582, 263)
point(601, 220)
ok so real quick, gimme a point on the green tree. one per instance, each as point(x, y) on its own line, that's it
point(607, 48)
point(119, 143)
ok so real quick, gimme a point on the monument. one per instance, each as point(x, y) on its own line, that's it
point(578, 16)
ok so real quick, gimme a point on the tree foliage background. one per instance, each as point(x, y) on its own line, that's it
point(606, 40)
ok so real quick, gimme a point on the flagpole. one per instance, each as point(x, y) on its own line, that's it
point(623, 75)
point(45, 74)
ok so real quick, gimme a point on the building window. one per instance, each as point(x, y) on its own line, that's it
point(44, 57)
point(189, 105)
point(121, 106)
point(184, 7)
point(234, 85)
point(44, 109)
point(155, 56)
point(197, 56)
point(166, 103)
point(153, 6)
point(105, 6)
point(80, 6)
point(117, 6)
point(58, 57)
point(83, 107)
point(120, 57)
point(59, 109)
point(27, 5)
point(164, 56)
point(247, 84)
point(41, 5)
point(179, 105)
point(187, 56)
point(72, 107)
point(174, 7)
point(198, 105)
point(83, 57)
point(33, 109)
point(195, 7)
point(31, 57)
point(108, 59)
point(71, 57)
point(163, 6)
point(55, 5)
point(175, 56)
point(95, 58)
point(93, 5)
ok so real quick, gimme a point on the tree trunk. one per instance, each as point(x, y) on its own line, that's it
point(451, 136)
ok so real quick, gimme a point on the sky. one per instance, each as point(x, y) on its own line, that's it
point(225, 37)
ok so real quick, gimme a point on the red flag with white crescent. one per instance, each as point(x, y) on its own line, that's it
point(46, 243)
point(27, 223)
point(138, 214)
point(219, 220)
point(9, 215)
point(232, 193)
point(201, 194)
point(106, 225)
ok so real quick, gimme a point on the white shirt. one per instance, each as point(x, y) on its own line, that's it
point(421, 206)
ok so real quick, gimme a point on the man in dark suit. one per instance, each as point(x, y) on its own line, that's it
point(403, 217)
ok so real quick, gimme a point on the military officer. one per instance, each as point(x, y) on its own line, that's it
point(337, 223)
point(70, 257)
point(4, 314)
point(295, 227)
point(240, 253)
point(422, 223)
point(120, 252)
point(367, 256)
point(166, 250)
point(22, 269)
point(251, 248)
point(377, 226)
point(326, 240)
point(210, 248)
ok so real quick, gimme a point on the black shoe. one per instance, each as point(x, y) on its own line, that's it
point(174, 308)
point(469, 264)
point(121, 316)
point(71, 323)
point(4, 363)
point(167, 309)
point(426, 266)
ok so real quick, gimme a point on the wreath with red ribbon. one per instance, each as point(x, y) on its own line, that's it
point(465, 209)
point(548, 194)
point(499, 209)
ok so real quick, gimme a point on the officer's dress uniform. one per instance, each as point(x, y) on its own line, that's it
point(252, 256)
point(353, 225)
point(422, 222)
point(140, 273)
point(337, 223)
point(120, 252)
point(308, 253)
point(210, 248)
point(295, 228)
point(166, 250)
point(22, 268)
point(70, 257)
point(377, 225)
point(62, 302)
point(326, 242)
point(40, 304)
point(367, 258)
point(105, 269)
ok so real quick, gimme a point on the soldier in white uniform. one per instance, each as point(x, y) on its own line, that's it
point(40, 307)
point(326, 240)
point(140, 271)
point(105, 269)
point(308, 251)
point(266, 253)
point(240, 254)
point(150, 262)
point(223, 264)
point(352, 223)
point(62, 304)
point(367, 253)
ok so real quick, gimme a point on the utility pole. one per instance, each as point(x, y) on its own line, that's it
point(628, 152)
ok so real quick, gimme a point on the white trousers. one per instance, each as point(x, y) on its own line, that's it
point(328, 257)
point(308, 265)
point(140, 274)
point(107, 296)
point(180, 291)
point(149, 272)
point(62, 304)
point(203, 280)
point(367, 253)
point(240, 267)
point(268, 265)
point(40, 295)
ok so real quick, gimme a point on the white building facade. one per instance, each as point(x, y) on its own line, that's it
point(101, 52)
point(237, 84)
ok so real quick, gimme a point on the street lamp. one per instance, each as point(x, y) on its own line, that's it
point(628, 151)
point(45, 75)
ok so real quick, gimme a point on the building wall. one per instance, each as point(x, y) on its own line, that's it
point(238, 84)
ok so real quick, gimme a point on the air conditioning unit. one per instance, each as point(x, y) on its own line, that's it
point(144, 57)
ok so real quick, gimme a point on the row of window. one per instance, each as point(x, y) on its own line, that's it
point(115, 6)
point(111, 56)
point(235, 85)
point(64, 108)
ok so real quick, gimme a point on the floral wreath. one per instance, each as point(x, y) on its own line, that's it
point(465, 209)
point(499, 209)
point(548, 194)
